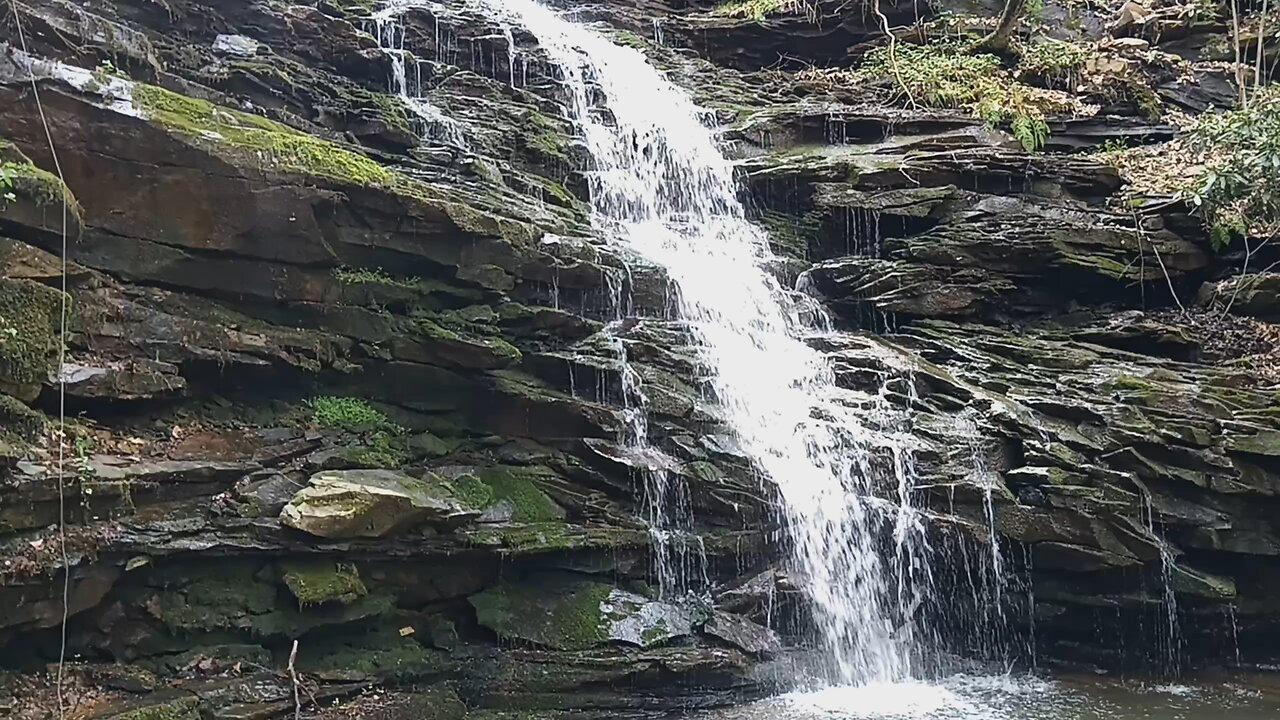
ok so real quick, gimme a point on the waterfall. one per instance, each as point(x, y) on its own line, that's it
point(661, 187)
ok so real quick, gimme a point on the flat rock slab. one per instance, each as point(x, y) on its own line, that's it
point(369, 503)
point(742, 633)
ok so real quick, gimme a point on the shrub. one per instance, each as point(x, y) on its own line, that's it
point(1238, 190)
point(347, 413)
point(1053, 60)
point(945, 76)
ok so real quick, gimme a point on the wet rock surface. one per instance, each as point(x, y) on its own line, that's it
point(335, 374)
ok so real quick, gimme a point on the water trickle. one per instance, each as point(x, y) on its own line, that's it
point(992, 596)
point(661, 187)
point(512, 52)
point(1235, 630)
point(862, 232)
point(1171, 638)
point(432, 124)
point(679, 559)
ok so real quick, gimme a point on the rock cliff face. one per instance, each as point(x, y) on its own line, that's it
point(335, 370)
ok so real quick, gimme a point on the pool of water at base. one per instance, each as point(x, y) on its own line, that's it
point(1009, 697)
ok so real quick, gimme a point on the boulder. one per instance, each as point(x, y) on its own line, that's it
point(742, 634)
point(370, 503)
point(138, 379)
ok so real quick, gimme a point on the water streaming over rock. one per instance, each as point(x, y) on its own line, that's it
point(406, 76)
point(661, 187)
point(1170, 639)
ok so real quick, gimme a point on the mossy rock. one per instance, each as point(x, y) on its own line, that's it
point(376, 650)
point(19, 424)
point(569, 612)
point(26, 182)
point(357, 8)
point(254, 141)
point(29, 321)
point(317, 582)
point(553, 612)
point(218, 598)
point(515, 486)
point(264, 140)
point(1265, 443)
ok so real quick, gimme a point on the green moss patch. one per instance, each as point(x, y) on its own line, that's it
point(20, 179)
point(559, 613)
point(313, 583)
point(220, 598)
point(555, 536)
point(470, 491)
point(28, 331)
point(516, 485)
point(277, 145)
point(18, 423)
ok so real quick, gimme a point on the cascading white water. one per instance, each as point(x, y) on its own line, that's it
point(661, 186)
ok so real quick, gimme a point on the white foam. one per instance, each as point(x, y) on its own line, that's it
point(879, 700)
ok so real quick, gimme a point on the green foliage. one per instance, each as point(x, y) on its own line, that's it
point(1115, 145)
point(383, 444)
point(1052, 59)
point(946, 76)
point(1032, 132)
point(1239, 188)
point(345, 413)
point(7, 176)
point(757, 9)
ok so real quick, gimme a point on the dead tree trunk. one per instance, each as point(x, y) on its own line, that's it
point(998, 41)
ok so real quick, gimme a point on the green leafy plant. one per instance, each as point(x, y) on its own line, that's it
point(1115, 145)
point(1238, 190)
point(7, 194)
